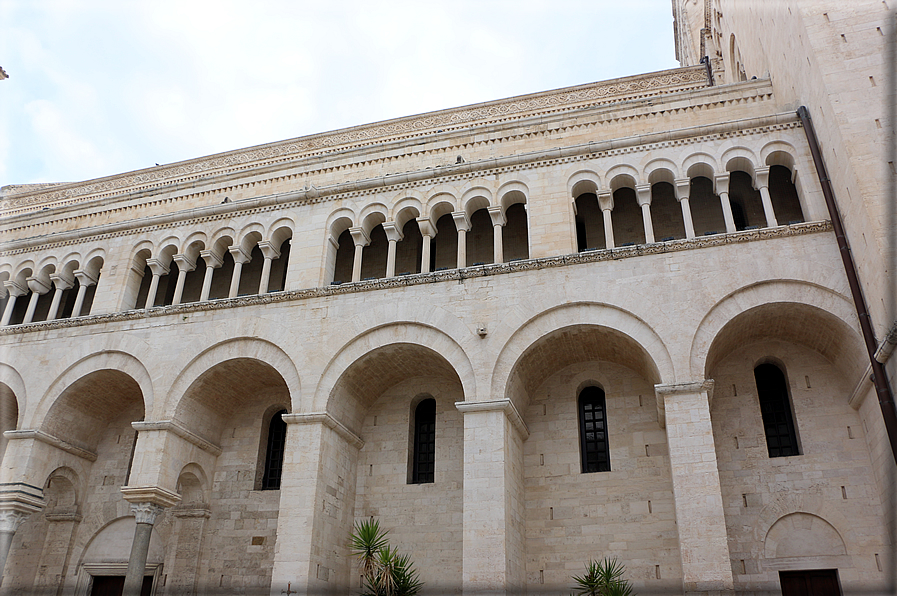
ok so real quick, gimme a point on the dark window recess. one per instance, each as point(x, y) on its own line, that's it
point(423, 465)
point(593, 431)
point(778, 422)
point(815, 582)
point(277, 438)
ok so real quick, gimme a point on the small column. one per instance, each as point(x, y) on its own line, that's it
point(213, 262)
point(270, 252)
point(61, 284)
point(682, 187)
point(643, 193)
point(15, 290)
point(361, 239)
point(428, 232)
point(147, 504)
point(158, 270)
point(85, 280)
point(498, 221)
point(606, 203)
point(185, 264)
point(722, 189)
point(240, 257)
point(394, 235)
point(38, 288)
point(703, 544)
point(17, 501)
point(462, 224)
point(494, 434)
point(762, 184)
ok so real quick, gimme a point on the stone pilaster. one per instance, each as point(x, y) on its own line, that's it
point(703, 541)
point(493, 498)
point(317, 506)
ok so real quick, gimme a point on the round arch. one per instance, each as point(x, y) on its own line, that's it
point(408, 342)
point(764, 309)
point(646, 352)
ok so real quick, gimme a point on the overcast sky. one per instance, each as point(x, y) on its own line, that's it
point(102, 87)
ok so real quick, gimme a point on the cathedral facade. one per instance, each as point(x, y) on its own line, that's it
point(610, 320)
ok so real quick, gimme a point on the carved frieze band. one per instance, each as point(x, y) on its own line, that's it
point(590, 256)
point(516, 107)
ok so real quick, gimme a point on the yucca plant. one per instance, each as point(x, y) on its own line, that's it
point(602, 578)
point(384, 571)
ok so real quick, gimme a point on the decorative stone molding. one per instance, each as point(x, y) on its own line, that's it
point(589, 256)
point(48, 439)
point(497, 405)
point(192, 513)
point(150, 495)
point(430, 176)
point(329, 421)
point(20, 497)
point(63, 516)
point(663, 391)
point(179, 430)
point(569, 98)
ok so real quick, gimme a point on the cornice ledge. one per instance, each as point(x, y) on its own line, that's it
point(156, 495)
point(327, 420)
point(589, 256)
point(505, 406)
point(498, 110)
point(179, 430)
point(48, 439)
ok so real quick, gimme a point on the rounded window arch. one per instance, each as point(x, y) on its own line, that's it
point(593, 447)
point(274, 440)
point(423, 449)
point(775, 407)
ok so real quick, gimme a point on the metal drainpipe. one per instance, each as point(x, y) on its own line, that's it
point(879, 378)
point(706, 62)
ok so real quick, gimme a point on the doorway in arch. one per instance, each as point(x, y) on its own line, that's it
point(112, 585)
point(814, 582)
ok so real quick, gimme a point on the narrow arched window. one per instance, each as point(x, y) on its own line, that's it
point(775, 407)
point(277, 438)
point(593, 431)
point(423, 461)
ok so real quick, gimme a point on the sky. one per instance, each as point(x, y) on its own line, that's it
point(101, 87)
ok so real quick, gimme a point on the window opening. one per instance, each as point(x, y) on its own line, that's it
point(593, 431)
point(775, 406)
point(277, 438)
point(423, 466)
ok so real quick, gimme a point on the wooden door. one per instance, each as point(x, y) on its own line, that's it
point(815, 582)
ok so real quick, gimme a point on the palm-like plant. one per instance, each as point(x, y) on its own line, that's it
point(602, 578)
point(385, 571)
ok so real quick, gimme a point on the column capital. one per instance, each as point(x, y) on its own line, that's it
point(664, 392)
point(11, 520)
point(505, 406)
point(761, 178)
point(212, 260)
point(13, 287)
point(146, 513)
point(393, 233)
point(426, 226)
point(38, 286)
point(359, 236)
point(150, 495)
point(682, 188)
point(184, 262)
point(269, 251)
point(497, 215)
point(239, 255)
point(61, 281)
point(643, 194)
point(606, 200)
point(157, 267)
point(721, 183)
point(86, 279)
point(462, 222)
